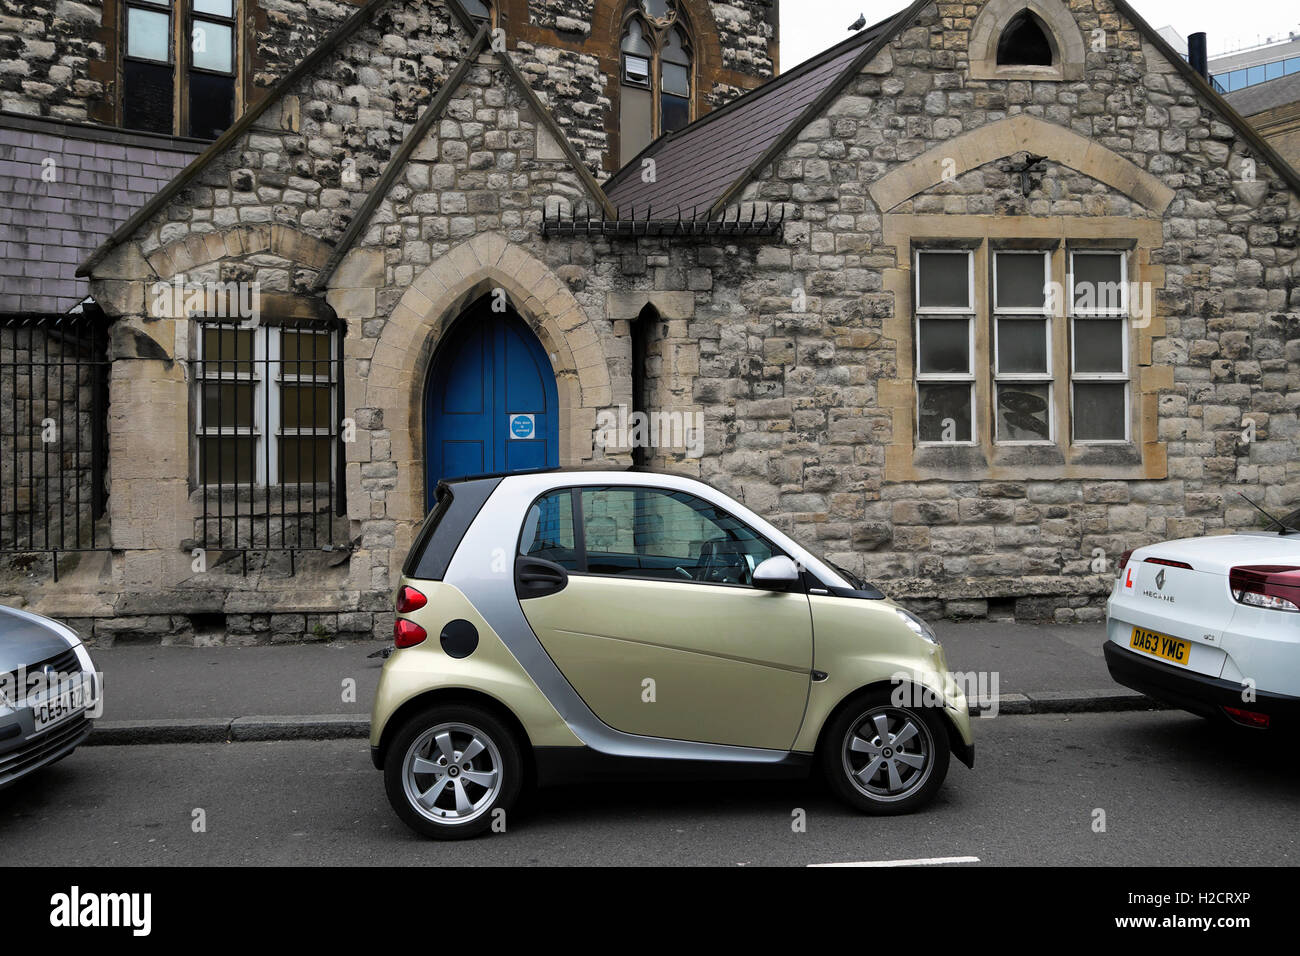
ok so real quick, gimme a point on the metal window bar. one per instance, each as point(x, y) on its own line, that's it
point(275, 467)
point(53, 404)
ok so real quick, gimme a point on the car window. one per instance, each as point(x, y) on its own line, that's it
point(659, 533)
point(548, 530)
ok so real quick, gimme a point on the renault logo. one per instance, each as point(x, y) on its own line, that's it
point(1160, 580)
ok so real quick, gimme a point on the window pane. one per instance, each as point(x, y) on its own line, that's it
point(1099, 345)
point(1021, 282)
point(212, 104)
point(305, 354)
point(227, 460)
point(944, 280)
point(945, 346)
point(548, 530)
point(1023, 411)
point(304, 459)
point(651, 533)
point(228, 405)
point(147, 99)
point(226, 344)
point(147, 33)
point(225, 8)
point(676, 79)
point(476, 9)
point(1022, 345)
point(1098, 281)
point(675, 50)
point(634, 41)
point(634, 122)
point(1099, 411)
point(212, 46)
point(945, 413)
point(305, 406)
point(657, 8)
point(675, 112)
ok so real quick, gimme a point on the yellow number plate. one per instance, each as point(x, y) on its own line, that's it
point(1173, 649)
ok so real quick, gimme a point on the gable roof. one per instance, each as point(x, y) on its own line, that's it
point(696, 167)
point(102, 176)
point(281, 87)
point(707, 164)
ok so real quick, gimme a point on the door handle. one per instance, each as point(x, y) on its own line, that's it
point(537, 577)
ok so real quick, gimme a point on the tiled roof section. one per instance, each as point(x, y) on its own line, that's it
point(695, 166)
point(47, 228)
point(1265, 96)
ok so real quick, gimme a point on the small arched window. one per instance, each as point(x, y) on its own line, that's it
point(1024, 42)
point(655, 75)
point(480, 11)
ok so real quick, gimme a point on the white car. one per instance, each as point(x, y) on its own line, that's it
point(1212, 625)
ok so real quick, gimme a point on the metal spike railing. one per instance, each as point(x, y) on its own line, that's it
point(679, 225)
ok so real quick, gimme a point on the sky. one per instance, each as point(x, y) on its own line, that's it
point(810, 26)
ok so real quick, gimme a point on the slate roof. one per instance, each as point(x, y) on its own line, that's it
point(696, 166)
point(46, 228)
point(1265, 96)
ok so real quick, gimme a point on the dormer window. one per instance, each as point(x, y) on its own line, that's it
point(1024, 42)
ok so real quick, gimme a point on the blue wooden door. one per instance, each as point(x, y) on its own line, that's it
point(491, 401)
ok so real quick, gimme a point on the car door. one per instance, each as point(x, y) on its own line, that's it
point(657, 625)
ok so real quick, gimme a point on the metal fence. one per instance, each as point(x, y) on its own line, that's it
point(268, 442)
point(53, 407)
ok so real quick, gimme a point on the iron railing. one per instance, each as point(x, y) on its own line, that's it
point(53, 431)
point(268, 444)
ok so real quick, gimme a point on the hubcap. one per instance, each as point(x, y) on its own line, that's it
point(452, 773)
point(887, 753)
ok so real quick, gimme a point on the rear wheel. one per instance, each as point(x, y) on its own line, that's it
point(886, 759)
point(450, 769)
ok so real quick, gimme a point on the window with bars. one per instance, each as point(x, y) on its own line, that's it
point(987, 326)
point(178, 66)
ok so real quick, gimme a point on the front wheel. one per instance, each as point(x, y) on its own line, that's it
point(450, 769)
point(885, 759)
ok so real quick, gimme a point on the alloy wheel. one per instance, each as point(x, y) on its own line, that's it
point(452, 773)
point(888, 753)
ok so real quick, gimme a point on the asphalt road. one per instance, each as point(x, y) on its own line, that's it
point(1175, 791)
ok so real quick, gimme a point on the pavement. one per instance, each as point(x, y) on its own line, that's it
point(161, 694)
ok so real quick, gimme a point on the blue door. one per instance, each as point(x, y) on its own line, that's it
point(491, 401)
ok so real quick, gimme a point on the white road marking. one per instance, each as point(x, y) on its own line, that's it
point(929, 861)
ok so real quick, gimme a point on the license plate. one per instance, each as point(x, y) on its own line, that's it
point(59, 704)
point(1173, 649)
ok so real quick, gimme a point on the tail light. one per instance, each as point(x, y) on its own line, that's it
point(1272, 586)
point(407, 633)
point(409, 599)
point(1248, 718)
point(1123, 561)
point(1168, 563)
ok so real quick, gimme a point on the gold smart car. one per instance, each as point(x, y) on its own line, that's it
point(561, 624)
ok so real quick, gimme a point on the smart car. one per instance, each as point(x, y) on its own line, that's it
point(564, 625)
point(1212, 625)
point(48, 692)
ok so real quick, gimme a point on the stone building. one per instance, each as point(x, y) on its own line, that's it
point(970, 302)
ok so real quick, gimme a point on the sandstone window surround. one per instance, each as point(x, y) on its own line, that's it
point(655, 74)
point(1006, 25)
point(179, 61)
point(1004, 376)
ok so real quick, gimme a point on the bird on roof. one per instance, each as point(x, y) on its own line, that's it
point(859, 23)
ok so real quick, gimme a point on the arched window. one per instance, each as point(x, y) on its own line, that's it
point(1024, 42)
point(480, 11)
point(655, 75)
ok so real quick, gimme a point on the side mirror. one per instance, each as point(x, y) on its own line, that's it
point(776, 574)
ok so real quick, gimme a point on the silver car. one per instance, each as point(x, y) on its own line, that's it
point(49, 692)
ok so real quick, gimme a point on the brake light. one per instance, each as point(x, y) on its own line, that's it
point(407, 633)
point(409, 599)
point(1249, 718)
point(1168, 563)
point(1123, 560)
point(1272, 586)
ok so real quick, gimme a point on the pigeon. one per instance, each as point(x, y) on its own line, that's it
point(859, 23)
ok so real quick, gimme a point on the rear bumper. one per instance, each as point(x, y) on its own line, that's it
point(1195, 692)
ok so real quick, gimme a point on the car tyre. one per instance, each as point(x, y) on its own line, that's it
point(450, 769)
point(884, 759)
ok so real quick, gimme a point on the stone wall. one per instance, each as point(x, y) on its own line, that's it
point(46, 57)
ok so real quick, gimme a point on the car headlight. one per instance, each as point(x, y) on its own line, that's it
point(916, 625)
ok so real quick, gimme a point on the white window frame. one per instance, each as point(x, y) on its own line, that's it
point(266, 429)
point(1026, 315)
point(1123, 377)
point(949, 313)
